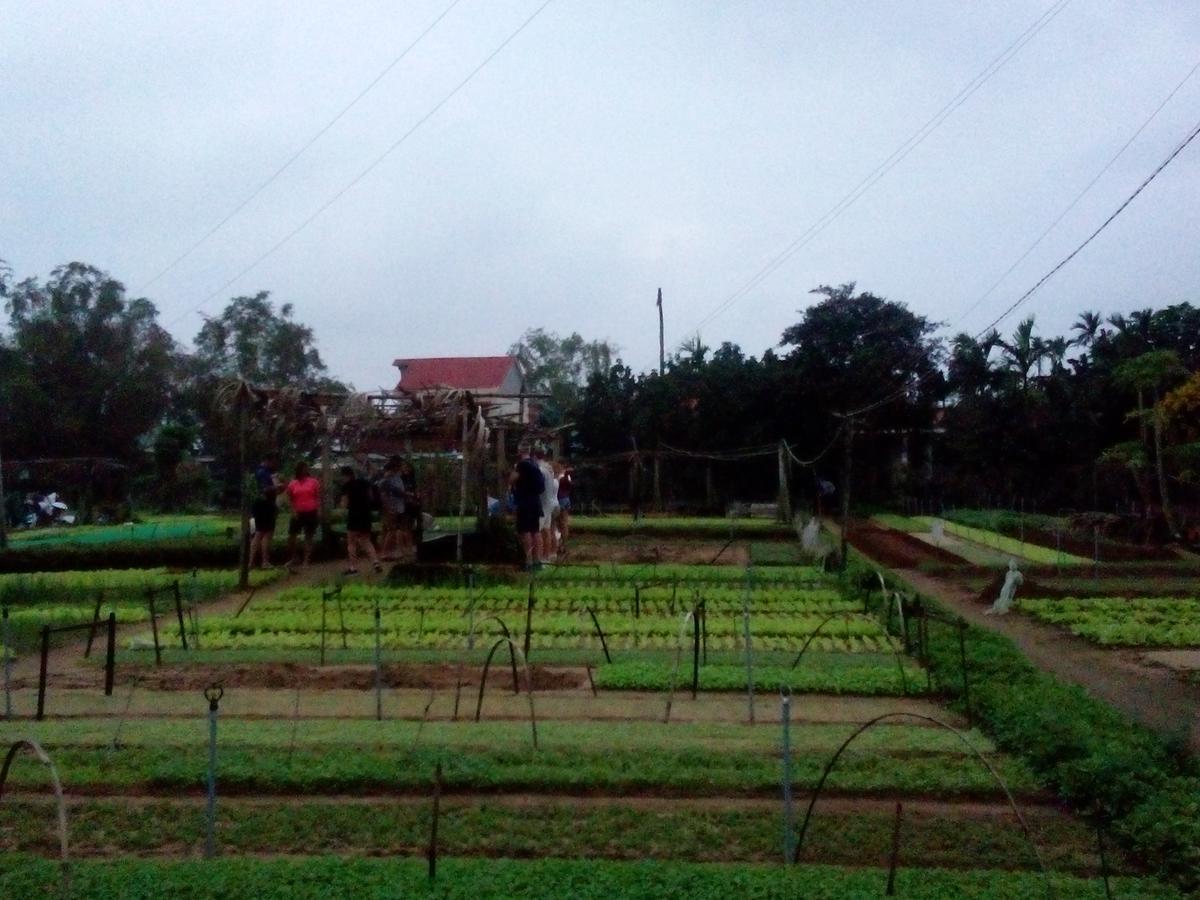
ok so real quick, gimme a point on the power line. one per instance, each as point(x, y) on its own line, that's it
point(295, 156)
point(370, 168)
point(1091, 184)
point(918, 355)
point(1066, 259)
point(897, 155)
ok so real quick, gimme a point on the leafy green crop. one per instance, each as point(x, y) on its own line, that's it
point(871, 679)
point(480, 879)
point(1118, 621)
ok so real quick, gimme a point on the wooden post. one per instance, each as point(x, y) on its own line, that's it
point(326, 481)
point(501, 465)
point(243, 498)
point(784, 500)
point(658, 501)
point(3, 511)
point(847, 466)
point(462, 492)
point(710, 492)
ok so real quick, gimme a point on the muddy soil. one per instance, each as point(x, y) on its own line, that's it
point(897, 549)
point(305, 677)
point(655, 549)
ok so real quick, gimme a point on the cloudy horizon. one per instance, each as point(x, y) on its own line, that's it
point(607, 151)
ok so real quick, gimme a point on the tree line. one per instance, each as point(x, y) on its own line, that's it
point(1105, 417)
point(86, 370)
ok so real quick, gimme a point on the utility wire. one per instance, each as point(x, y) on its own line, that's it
point(806, 463)
point(1066, 259)
point(370, 168)
point(295, 156)
point(917, 356)
point(1091, 184)
point(897, 155)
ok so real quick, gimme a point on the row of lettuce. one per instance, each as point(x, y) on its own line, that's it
point(1144, 788)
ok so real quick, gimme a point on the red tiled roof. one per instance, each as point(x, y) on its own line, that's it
point(465, 372)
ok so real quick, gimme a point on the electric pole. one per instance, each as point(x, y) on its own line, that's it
point(847, 467)
point(662, 351)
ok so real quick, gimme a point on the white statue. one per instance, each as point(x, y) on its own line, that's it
point(1008, 593)
point(811, 536)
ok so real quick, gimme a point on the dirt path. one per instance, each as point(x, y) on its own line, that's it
point(1153, 697)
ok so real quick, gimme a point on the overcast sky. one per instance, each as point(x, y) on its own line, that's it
point(611, 148)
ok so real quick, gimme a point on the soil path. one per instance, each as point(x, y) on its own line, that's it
point(1154, 697)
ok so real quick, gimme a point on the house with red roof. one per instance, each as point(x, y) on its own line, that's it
point(497, 376)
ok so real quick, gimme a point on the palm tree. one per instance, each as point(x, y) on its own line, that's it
point(1151, 372)
point(1087, 327)
point(1023, 352)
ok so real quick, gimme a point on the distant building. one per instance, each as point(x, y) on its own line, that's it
point(494, 380)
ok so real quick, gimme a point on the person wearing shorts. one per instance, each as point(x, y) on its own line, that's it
point(264, 510)
point(391, 509)
point(527, 486)
point(549, 546)
point(304, 493)
point(357, 497)
point(566, 481)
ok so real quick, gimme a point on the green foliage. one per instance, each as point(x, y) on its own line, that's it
point(1023, 549)
point(560, 367)
point(880, 678)
point(546, 827)
point(232, 878)
point(1096, 759)
point(80, 352)
point(1118, 621)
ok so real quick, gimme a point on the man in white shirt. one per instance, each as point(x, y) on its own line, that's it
point(549, 504)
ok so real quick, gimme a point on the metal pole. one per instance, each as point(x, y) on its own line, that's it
point(962, 655)
point(789, 823)
point(895, 855)
point(433, 828)
point(7, 667)
point(695, 650)
point(378, 667)
point(749, 654)
point(154, 626)
point(110, 654)
point(213, 696)
point(179, 613)
point(528, 619)
point(41, 703)
point(324, 604)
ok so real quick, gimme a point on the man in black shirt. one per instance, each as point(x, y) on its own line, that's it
point(358, 497)
point(527, 485)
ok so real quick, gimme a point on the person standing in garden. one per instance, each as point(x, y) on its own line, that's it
point(391, 509)
point(566, 481)
point(411, 523)
point(358, 496)
point(527, 486)
point(549, 505)
point(265, 510)
point(304, 494)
